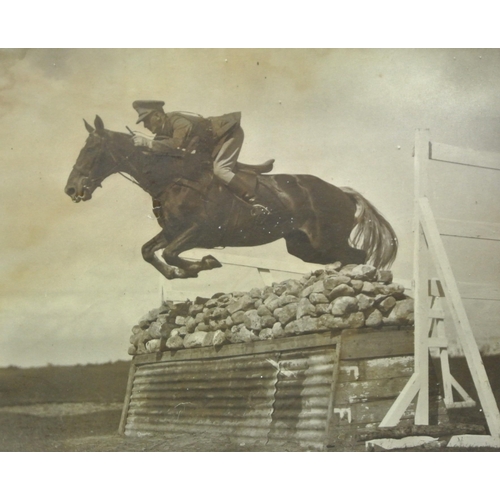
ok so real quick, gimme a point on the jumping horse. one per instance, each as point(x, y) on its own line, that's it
point(194, 210)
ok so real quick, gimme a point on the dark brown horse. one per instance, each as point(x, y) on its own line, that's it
point(195, 211)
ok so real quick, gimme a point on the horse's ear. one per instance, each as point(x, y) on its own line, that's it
point(88, 127)
point(99, 125)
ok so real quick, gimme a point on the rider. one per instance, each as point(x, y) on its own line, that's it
point(220, 136)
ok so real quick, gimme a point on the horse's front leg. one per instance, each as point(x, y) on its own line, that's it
point(186, 241)
point(148, 252)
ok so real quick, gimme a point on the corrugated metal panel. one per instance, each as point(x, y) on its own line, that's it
point(232, 395)
point(269, 397)
point(303, 394)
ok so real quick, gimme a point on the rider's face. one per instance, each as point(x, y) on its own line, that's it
point(153, 122)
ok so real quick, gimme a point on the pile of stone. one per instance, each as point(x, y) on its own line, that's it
point(334, 298)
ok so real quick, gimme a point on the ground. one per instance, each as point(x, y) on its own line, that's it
point(78, 409)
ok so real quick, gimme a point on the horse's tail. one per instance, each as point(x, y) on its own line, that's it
point(372, 232)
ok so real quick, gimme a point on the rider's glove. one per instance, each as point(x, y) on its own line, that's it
point(142, 141)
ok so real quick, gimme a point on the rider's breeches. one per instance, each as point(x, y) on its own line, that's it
point(227, 156)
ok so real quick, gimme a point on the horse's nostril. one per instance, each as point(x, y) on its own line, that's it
point(70, 191)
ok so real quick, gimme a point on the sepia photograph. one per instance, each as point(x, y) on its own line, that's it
point(250, 250)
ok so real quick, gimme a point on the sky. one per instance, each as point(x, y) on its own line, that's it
point(72, 279)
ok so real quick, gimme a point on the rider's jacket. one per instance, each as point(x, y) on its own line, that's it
point(180, 128)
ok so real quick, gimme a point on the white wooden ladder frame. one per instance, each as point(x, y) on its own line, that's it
point(429, 295)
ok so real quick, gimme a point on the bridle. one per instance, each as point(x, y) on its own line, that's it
point(98, 180)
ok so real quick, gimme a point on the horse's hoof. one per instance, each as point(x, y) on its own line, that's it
point(210, 262)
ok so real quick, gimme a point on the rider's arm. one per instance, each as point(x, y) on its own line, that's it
point(181, 130)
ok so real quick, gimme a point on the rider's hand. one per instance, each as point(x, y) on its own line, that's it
point(142, 141)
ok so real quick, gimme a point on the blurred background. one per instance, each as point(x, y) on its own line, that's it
point(72, 279)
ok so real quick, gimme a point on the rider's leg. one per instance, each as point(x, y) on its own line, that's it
point(224, 164)
point(227, 156)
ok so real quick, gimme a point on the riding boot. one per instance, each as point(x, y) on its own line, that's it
point(244, 190)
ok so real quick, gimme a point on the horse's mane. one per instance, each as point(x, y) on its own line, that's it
point(160, 169)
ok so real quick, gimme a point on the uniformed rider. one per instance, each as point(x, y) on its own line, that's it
point(220, 136)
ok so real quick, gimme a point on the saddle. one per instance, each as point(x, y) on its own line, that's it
point(263, 168)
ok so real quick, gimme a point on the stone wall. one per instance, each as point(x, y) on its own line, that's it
point(333, 298)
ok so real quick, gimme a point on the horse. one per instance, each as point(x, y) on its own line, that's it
point(195, 210)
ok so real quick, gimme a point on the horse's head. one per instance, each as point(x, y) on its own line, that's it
point(94, 163)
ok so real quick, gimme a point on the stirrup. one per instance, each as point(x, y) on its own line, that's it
point(258, 210)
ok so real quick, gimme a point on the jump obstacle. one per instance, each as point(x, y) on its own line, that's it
point(437, 295)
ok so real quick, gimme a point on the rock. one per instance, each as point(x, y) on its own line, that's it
point(217, 324)
point(190, 324)
point(154, 330)
point(180, 320)
point(364, 272)
point(316, 287)
point(242, 304)
point(342, 290)
point(239, 333)
point(219, 313)
point(344, 305)
point(251, 320)
point(269, 298)
point(141, 349)
point(229, 322)
point(137, 329)
point(293, 287)
point(387, 304)
point(374, 319)
point(385, 276)
point(318, 298)
point(151, 315)
point(219, 338)
point(273, 304)
point(194, 339)
point(153, 345)
point(166, 329)
point(209, 304)
point(311, 325)
point(199, 318)
point(286, 299)
point(202, 327)
point(279, 289)
point(238, 317)
point(333, 268)
point(304, 308)
point(364, 301)
point(175, 342)
point(224, 299)
point(132, 350)
point(264, 311)
point(357, 285)
point(278, 331)
point(181, 308)
point(267, 321)
point(393, 289)
point(330, 282)
point(347, 269)
point(286, 314)
point(322, 309)
point(194, 309)
point(402, 313)
point(255, 293)
point(368, 288)
point(208, 340)
point(355, 320)
point(266, 334)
